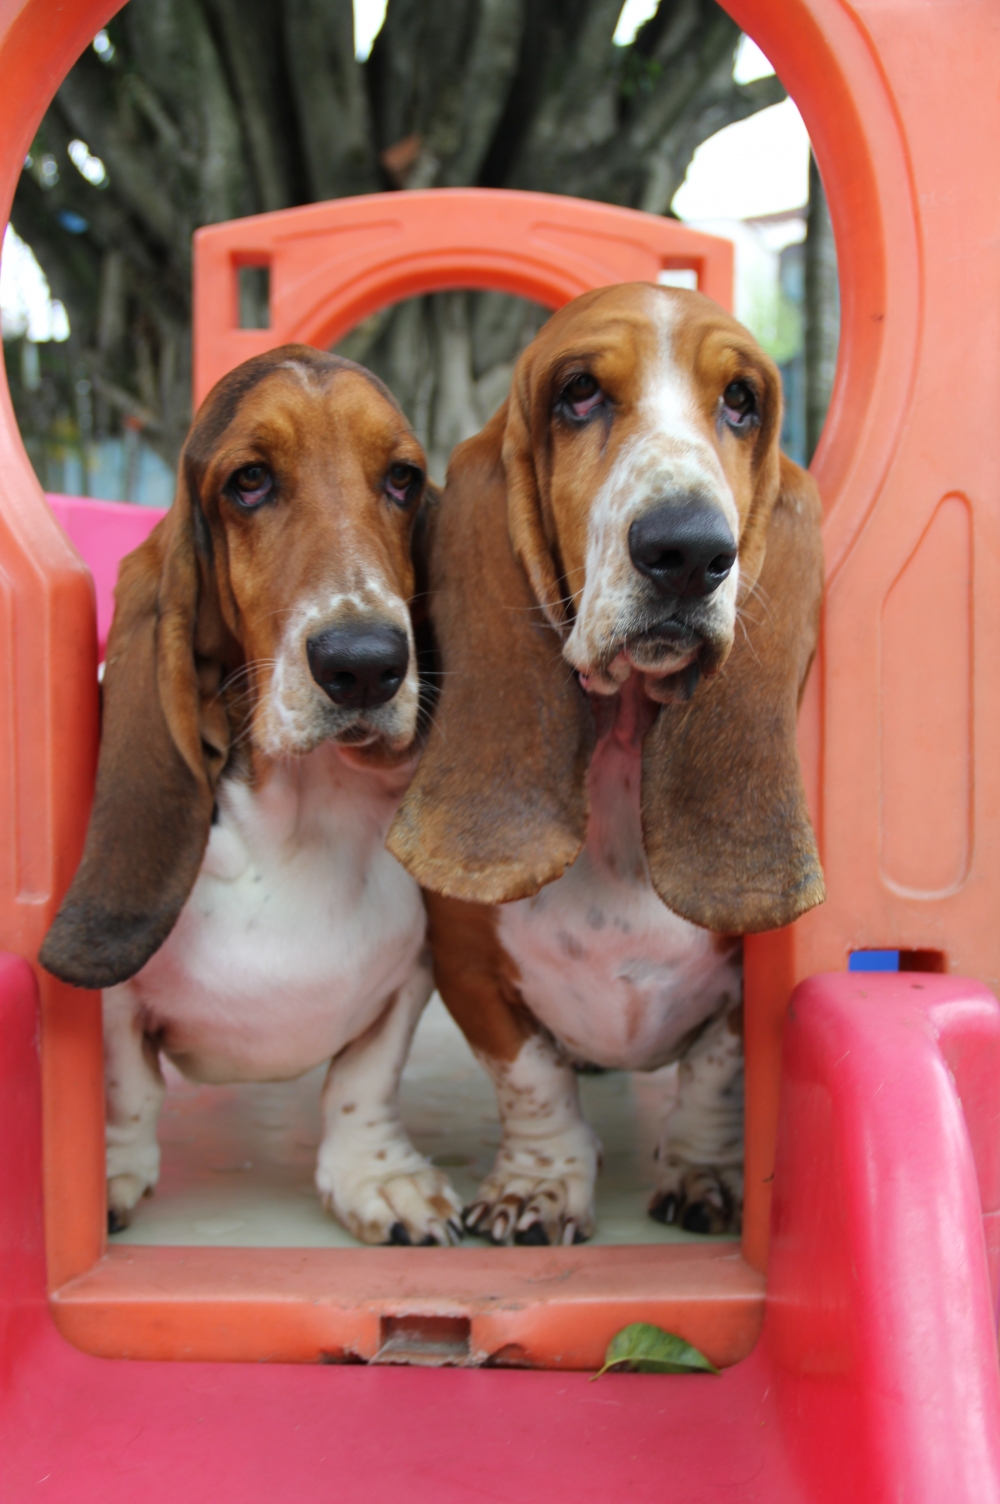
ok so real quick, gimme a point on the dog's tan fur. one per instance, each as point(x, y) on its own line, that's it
point(235, 901)
point(697, 800)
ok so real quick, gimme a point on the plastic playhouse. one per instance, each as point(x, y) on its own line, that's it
point(856, 1323)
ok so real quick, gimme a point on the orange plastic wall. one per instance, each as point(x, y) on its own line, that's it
point(333, 264)
point(902, 716)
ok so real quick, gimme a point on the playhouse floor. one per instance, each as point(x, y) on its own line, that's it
point(238, 1160)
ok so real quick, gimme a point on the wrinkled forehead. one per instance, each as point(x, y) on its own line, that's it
point(665, 347)
point(294, 410)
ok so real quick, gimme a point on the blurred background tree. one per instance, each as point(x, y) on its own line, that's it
point(821, 308)
point(186, 112)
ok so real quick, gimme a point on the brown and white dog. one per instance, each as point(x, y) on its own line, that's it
point(625, 580)
point(235, 900)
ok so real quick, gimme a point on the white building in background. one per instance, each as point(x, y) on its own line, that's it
point(750, 184)
point(760, 300)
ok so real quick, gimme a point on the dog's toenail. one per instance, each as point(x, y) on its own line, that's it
point(533, 1236)
point(697, 1218)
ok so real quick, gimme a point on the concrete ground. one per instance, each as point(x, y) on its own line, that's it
point(238, 1160)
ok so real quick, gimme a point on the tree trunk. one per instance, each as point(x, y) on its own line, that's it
point(204, 110)
point(822, 310)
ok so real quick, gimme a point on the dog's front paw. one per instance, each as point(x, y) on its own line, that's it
point(699, 1198)
point(124, 1194)
point(542, 1195)
point(416, 1205)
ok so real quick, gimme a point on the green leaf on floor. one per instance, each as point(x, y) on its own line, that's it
point(644, 1348)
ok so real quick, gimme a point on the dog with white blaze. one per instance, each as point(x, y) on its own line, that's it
point(235, 901)
point(625, 577)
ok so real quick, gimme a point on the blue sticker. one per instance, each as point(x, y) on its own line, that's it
point(873, 960)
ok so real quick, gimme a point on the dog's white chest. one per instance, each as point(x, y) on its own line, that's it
point(298, 928)
point(615, 975)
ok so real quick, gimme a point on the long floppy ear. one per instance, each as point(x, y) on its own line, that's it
point(724, 816)
point(164, 742)
point(498, 806)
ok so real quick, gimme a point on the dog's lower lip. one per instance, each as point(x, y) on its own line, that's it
point(664, 649)
point(672, 634)
point(356, 736)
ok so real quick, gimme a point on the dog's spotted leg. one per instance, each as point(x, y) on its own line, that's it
point(541, 1187)
point(701, 1150)
point(133, 1089)
point(369, 1175)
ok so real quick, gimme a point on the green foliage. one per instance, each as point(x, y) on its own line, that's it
point(777, 323)
point(640, 75)
point(644, 1348)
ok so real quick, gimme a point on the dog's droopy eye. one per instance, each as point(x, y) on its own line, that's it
point(251, 485)
point(581, 395)
point(402, 483)
point(739, 406)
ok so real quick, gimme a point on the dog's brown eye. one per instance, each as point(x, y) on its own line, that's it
point(251, 485)
point(739, 405)
point(401, 483)
point(581, 394)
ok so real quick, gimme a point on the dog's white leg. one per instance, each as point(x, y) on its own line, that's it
point(368, 1174)
point(541, 1187)
point(701, 1149)
point(133, 1094)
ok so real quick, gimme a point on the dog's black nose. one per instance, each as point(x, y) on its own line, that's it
point(359, 667)
point(685, 548)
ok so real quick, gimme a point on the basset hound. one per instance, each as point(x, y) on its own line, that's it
point(235, 900)
point(625, 579)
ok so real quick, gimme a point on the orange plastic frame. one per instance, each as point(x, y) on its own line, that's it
point(333, 264)
point(899, 729)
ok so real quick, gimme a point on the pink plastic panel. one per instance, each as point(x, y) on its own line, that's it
point(103, 532)
point(880, 1318)
point(81, 1430)
point(875, 1380)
